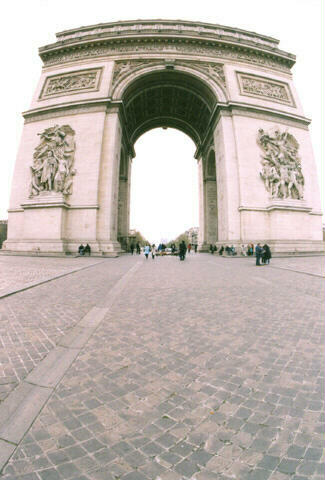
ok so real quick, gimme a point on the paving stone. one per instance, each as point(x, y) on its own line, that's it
point(269, 462)
point(186, 468)
point(313, 454)
point(296, 451)
point(288, 466)
point(50, 474)
point(201, 457)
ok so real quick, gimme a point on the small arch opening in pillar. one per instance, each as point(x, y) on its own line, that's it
point(164, 185)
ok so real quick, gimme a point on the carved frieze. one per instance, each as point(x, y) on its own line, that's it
point(74, 82)
point(273, 90)
point(281, 165)
point(125, 67)
point(180, 47)
point(52, 169)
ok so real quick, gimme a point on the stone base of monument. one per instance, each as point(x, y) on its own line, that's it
point(59, 248)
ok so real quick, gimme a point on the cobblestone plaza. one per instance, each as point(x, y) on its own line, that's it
point(133, 369)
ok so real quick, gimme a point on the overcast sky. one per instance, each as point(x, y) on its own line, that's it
point(169, 206)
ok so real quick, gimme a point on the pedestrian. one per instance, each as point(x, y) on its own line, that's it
point(195, 247)
point(258, 252)
point(146, 251)
point(267, 254)
point(189, 246)
point(243, 250)
point(81, 249)
point(87, 249)
point(138, 248)
point(153, 251)
point(182, 250)
point(250, 249)
point(132, 248)
point(221, 250)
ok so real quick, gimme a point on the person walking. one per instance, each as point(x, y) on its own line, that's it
point(189, 246)
point(267, 254)
point(182, 250)
point(258, 252)
point(146, 251)
point(195, 247)
point(138, 248)
point(153, 251)
point(132, 248)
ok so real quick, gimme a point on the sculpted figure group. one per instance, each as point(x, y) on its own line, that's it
point(281, 170)
point(52, 161)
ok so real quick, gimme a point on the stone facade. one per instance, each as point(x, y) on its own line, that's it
point(103, 86)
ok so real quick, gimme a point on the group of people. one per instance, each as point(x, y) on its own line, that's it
point(151, 249)
point(263, 254)
point(84, 250)
point(135, 248)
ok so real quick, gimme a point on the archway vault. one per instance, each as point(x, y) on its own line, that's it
point(167, 96)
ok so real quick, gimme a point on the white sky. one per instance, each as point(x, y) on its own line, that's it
point(166, 208)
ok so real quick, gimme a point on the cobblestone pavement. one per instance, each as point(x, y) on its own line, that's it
point(204, 369)
point(312, 265)
point(17, 271)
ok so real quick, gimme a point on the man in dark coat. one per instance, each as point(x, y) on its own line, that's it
point(258, 252)
point(182, 250)
point(267, 254)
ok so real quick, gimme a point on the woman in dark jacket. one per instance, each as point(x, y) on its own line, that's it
point(267, 254)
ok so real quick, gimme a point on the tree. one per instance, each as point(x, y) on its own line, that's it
point(177, 240)
point(138, 238)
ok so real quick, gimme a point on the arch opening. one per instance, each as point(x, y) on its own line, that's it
point(164, 199)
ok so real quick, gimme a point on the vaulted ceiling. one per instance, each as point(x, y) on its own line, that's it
point(168, 99)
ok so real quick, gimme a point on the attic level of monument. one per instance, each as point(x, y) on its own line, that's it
point(188, 38)
point(104, 86)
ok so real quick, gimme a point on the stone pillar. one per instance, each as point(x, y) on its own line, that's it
point(202, 230)
point(228, 194)
point(108, 188)
point(211, 211)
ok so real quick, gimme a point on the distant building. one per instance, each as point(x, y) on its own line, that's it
point(3, 231)
point(193, 235)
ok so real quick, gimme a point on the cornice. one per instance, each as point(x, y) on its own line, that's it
point(236, 44)
point(159, 25)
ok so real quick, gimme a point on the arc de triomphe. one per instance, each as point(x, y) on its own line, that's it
point(103, 86)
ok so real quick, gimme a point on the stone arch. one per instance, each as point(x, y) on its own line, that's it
point(102, 87)
point(167, 98)
point(121, 81)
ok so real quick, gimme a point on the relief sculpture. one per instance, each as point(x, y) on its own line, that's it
point(281, 170)
point(52, 168)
